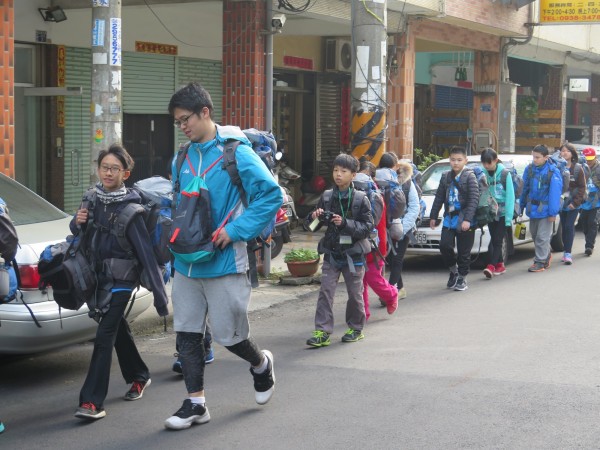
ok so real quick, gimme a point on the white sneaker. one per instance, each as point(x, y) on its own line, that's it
point(188, 414)
point(264, 383)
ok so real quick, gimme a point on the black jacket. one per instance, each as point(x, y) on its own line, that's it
point(468, 195)
point(104, 245)
point(358, 223)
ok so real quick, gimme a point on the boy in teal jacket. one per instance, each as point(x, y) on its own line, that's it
point(501, 188)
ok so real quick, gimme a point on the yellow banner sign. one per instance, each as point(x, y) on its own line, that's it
point(554, 12)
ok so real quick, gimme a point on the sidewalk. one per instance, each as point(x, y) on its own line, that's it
point(268, 294)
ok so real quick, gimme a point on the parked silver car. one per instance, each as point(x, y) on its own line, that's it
point(428, 240)
point(38, 224)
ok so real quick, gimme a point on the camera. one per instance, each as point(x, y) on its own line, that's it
point(326, 216)
point(278, 21)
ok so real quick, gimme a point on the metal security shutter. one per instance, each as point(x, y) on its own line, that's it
point(209, 74)
point(148, 83)
point(77, 151)
point(329, 122)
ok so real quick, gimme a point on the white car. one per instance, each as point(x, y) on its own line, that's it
point(38, 224)
point(428, 240)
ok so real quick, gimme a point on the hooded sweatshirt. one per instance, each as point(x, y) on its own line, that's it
point(504, 195)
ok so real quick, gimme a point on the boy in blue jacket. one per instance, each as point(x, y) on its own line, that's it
point(218, 287)
point(541, 198)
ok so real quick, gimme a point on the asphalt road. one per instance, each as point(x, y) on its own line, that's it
point(510, 363)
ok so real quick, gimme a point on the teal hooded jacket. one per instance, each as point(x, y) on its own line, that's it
point(504, 195)
point(263, 193)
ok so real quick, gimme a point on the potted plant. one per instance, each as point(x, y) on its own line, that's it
point(302, 262)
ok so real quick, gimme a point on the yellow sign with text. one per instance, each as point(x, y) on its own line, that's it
point(554, 12)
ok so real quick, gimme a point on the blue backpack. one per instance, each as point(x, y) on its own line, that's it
point(561, 164)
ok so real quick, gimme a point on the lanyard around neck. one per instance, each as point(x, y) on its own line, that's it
point(348, 205)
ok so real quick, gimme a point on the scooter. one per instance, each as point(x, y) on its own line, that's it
point(281, 234)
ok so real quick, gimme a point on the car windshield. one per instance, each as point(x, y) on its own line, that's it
point(433, 174)
point(25, 206)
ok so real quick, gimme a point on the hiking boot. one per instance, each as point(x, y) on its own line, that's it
point(264, 383)
point(319, 339)
point(352, 335)
point(461, 284)
point(568, 259)
point(589, 251)
point(547, 264)
point(489, 271)
point(537, 267)
point(188, 414)
point(452, 280)
point(499, 269)
point(402, 294)
point(89, 411)
point(137, 390)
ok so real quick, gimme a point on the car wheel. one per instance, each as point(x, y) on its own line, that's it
point(556, 243)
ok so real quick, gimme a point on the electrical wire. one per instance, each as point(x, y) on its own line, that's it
point(233, 41)
point(287, 5)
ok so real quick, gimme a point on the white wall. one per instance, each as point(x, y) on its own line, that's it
point(198, 25)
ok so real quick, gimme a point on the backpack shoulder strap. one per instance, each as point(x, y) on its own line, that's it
point(357, 200)
point(181, 154)
point(327, 196)
point(229, 163)
point(124, 218)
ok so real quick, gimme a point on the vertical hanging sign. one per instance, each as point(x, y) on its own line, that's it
point(115, 42)
point(60, 81)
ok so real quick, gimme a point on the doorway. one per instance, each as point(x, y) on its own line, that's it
point(149, 140)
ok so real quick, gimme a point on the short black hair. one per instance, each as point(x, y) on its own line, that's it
point(571, 148)
point(388, 160)
point(192, 97)
point(488, 155)
point(457, 149)
point(119, 152)
point(347, 162)
point(542, 149)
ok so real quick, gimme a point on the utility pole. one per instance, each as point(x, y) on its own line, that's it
point(106, 110)
point(369, 78)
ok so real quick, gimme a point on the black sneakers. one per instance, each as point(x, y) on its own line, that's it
point(188, 414)
point(137, 390)
point(589, 251)
point(264, 383)
point(461, 284)
point(452, 280)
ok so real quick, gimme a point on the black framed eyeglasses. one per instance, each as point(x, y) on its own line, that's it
point(183, 121)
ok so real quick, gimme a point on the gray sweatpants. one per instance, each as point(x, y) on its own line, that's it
point(225, 299)
point(355, 306)
point(541, 232)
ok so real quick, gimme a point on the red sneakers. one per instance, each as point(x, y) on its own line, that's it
point(489, 271)
point(499, 269)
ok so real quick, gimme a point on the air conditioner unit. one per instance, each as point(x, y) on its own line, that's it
point(338, 55)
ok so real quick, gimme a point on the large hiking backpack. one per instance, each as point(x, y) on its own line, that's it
point(394, 198)
point(487, 208)
point(68, 271)
point(561, 164)
point(375, 198)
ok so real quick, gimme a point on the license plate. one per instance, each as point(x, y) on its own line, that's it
point(421, 237)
